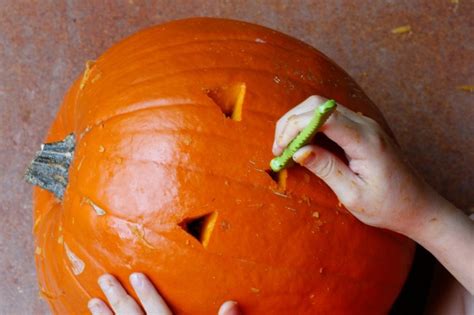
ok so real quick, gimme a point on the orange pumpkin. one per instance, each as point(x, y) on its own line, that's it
point(173, 130)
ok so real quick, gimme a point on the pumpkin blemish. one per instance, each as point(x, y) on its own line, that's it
point(139, 232)
point(96, 208)
point(77, 265)
point(87, 73)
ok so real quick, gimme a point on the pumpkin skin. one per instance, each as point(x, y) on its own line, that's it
point(155, 150)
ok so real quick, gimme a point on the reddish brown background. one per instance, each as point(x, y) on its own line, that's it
point(412, 77)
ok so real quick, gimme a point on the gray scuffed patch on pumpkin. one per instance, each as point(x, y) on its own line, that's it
point(138, 231)
point(77, 265)
point(96, 208)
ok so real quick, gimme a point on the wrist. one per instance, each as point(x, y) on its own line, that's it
point(430, 219)
point(423, 215)
point(448, 234)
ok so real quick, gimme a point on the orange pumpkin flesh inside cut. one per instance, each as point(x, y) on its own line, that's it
point(173, 130)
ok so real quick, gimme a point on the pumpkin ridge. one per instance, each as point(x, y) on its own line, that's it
point(249, 40)
point(216, 174)
point(291, 269)
point(200, 49)
point(119, 115)
point(164, 77)
point(113, 216)
point(152, 61)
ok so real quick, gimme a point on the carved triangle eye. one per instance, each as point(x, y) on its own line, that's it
point(230, 99)
point(201, 227)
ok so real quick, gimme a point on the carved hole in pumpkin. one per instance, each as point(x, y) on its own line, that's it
point(273, 175)
point(230, 99)
point(201, 227)
point(279, 178)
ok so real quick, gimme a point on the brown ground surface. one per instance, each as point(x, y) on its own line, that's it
point(412, 77)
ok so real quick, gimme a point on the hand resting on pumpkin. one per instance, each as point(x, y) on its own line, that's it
point(151, 301)
point(379, 188)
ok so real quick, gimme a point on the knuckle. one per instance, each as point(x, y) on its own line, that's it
point(292, 119)
point(315, 99)
point(377, 140)
point(294, 123)
point(370, 121)
point(325, 167)
point(280, 123)
point(352, 199)
point(122, 302)
point(117, 304)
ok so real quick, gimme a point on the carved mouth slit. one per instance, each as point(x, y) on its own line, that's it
point(273, 175)
point(200, 227)
point(230, 99)
point(279, 178)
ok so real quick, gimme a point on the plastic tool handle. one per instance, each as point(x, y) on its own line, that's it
point(321, 114)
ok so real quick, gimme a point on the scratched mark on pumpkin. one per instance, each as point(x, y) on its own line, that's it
point(139, 233)
point(43, 293)
point(77, 264)
point(96, 208)
point(37, 221)
point(255, 290)
point(279, 194)
point(89, 65)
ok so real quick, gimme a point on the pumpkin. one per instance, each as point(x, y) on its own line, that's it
point(158, 162)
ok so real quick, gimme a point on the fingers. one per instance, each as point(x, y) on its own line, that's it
point(151, 301)
point(357, 117)
point(351, 131)
point(294, 125)
point(337, 175)
point(307, 106)
point(98, 307)
point(119, 300)
point(229, 308)
point(347, 133)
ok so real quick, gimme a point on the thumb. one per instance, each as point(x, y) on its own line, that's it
point(229, 308)
point(337, 175)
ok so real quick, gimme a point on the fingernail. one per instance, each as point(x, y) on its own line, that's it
point(105, 283)
point(229, 308)
point(303, 156)
point(94, 306)
point(137, 280)
point(275, 148)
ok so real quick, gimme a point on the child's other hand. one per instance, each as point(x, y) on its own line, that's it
point(151, 301)
point(377, 187)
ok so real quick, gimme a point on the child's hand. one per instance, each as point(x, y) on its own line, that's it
point(377, 186)
point(150, 299)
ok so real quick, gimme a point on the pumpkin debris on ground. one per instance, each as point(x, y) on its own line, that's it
point(401, 29)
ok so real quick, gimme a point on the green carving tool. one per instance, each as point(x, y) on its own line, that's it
point(321, 114)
